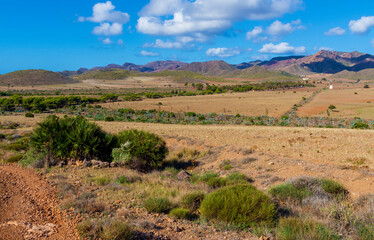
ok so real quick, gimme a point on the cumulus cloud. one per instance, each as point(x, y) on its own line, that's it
point(282, 48)
point(335, 32)
point(223, 52)
point(326, 49)
point(108, 29)
point(362, 25)
point(149, 54)
point(107, 41)
point(207, 17)
point(104, 12)
point(276, 30)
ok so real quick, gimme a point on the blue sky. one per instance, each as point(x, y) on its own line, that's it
point(58, 35)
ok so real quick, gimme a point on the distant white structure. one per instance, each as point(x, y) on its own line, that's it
point(306, 79)
point(331, 87)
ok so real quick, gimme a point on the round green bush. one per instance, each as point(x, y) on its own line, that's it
point(192, 201)
point(157, 205)
point(181, 213)
point(15, 158)
point(29, 115)
point(147, 150)
point(239, 204)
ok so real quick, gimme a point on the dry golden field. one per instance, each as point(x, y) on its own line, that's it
point(269, 155)
point(348, 103)
point(273, 103)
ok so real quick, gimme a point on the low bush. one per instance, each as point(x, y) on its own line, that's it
point(14, 158)
point(360, 125)
point(158, 205)
point(109, 119)
point(239, 204)
point(101, 181)
point(192, 201)
point(181, 213)
point(29, 115)
point(147, 150)
point(287, 191)
point(296, 228)
point(334, 188)
point(33, 159)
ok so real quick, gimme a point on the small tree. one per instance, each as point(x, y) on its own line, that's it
point(332, 107)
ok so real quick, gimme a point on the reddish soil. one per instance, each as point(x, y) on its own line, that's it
point(29, 207)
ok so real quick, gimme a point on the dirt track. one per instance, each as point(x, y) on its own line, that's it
point(29, 208)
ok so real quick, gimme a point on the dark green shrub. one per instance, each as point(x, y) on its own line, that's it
point(158, 205)
point(109, 119)
point(29, 115)
point(68, 137)
point(108, 229)
point(239, 204)
point(287, 191)
point(360, 125)
point(235, 178)
point(14, 158)
point(295, 229)
point(181, 213)
point(33, 159)
point(147, 150)
point(20, 145)
point(216, 182)
point(192, 201)
point(334, 188)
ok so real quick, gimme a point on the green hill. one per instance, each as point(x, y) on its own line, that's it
point(34, 78)
point(212, 68)
point(260, 73)
point(185, 76)
point(367, 74)
point(107, 74)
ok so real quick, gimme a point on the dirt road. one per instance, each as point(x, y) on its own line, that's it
point(29, 207)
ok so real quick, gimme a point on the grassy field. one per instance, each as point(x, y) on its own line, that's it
point(347, 103)
point(270, 103)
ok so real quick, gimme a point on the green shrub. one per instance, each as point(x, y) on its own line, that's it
point(366, 232)
point(158, 205)
point(109, 119)
point(147, 150)
point(29, 115)
point(73, 137)
point(181, 213)
point(122, 154)
point(295, 229)
point(332, 107)
point(334, 188)
point(216, 182)
point(239, 204)
point(192, 201)
point(108, 229)
point(33, 159)
point(101, 181)
point(287, 191)
point(235, 178)
point(360, 125)
point(14, 158)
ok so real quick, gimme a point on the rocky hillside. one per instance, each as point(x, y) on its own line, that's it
point(212, 68)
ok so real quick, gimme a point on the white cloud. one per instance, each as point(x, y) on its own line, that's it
point(223, 52)
point(104, 12)
point(107, 41)
point(282, 48)
point(148, 54)
point(81, 19)
point(326, 49)
point(276, 30)
point(164, 44)
point(108, 29)
point(207, 17)
point(362, 26)
point(335, 32)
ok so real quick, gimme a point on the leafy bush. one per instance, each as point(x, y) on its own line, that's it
point(181, 213)
point(122, 154)
point(295, 229)
point(72, 137)
point(109, 119)
point(14, 158)
point(332, 107)
point(216, 182)
point(147, 150)
point(158, 205)
point(360, 125)
point(29, 115)
point(33, 159)
point(334, 188)
point(192, 201)
point(20, 145)
point(239, 204)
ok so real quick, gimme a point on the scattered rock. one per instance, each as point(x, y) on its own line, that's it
point(86, 163)
point(146, 225)
point(15, 136)
point(95, 162)
point(113, 164)
point(183, 175)
point(71, 163)
point(104, 164)
point(61, 164)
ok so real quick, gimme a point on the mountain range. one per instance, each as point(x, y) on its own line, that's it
point(329, 62)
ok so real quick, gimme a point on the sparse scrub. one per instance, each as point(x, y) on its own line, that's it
point(181, 213)
point(14, 158)
point(192, 201)
point(239, 204)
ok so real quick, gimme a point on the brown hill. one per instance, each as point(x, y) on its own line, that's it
point(33, 78)
point(212, 68)
point(258, 72)
point(366, 74)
